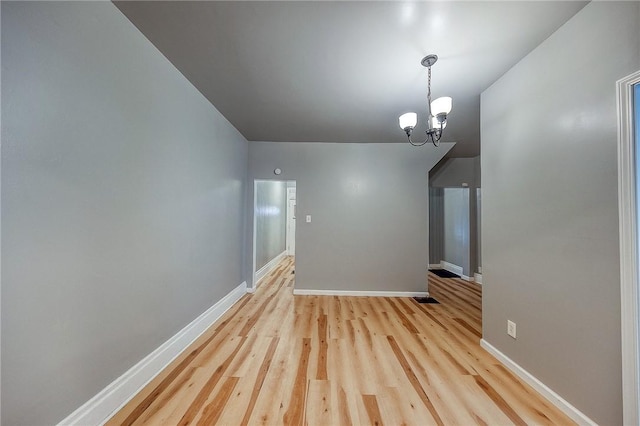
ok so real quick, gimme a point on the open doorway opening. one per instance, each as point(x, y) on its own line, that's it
point(274, 224)
point(454, 218)
point(291, 218)
point(454, 232)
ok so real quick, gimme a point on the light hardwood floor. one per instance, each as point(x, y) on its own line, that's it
point(275, 358)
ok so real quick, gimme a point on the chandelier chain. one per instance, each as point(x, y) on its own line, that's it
point(429, 91)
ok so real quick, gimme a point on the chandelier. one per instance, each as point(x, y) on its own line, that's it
point(436, 112)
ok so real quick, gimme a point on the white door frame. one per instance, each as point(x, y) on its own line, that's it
point(628, 214)
point(291, 222)
point(253, 243)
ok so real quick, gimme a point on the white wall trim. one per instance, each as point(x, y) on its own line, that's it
point(452, 268)
point(477, 278)
point(458, 270)
point(306, 292)
point(571, 411)
point(269, 266)
point(108, 401)
point(629, 292)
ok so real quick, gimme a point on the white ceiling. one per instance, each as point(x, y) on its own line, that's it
point(338, 71)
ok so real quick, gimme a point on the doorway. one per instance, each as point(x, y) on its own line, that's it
point(291, 218)
point(274, 204)
point(454, 231)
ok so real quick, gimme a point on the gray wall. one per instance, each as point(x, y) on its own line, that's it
point(271, 216)
point(369, 208)
point(456, 228)
point(549, 207)
point(122, 204)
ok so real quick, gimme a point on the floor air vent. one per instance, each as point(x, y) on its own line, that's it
point(425, 300)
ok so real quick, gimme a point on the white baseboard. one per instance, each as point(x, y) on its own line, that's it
point(260, 273)
point(477, 278)
point(452, 268)
point(107, 402)
point(458, 270)
point(305, 292)
point(571, 411)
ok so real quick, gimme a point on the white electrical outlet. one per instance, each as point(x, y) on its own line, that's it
point(511, 328)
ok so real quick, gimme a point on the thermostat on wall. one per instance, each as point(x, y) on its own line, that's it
point(277, 171)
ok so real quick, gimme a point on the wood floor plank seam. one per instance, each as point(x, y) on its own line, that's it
point(212, 411)
point(295, 412)
point(500, 402)
point(373, 410)
point(403, 318)
point(264, 368)
point(203, 394)
point(414, 380)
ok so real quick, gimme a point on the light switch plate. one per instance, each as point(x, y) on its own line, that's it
point(511, 328)
point(308, 218)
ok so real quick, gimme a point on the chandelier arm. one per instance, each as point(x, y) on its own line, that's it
point(420, 143)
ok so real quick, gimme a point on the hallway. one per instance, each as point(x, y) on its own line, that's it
point(278, 359)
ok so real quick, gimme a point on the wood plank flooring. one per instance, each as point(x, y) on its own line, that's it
point(275, 358)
